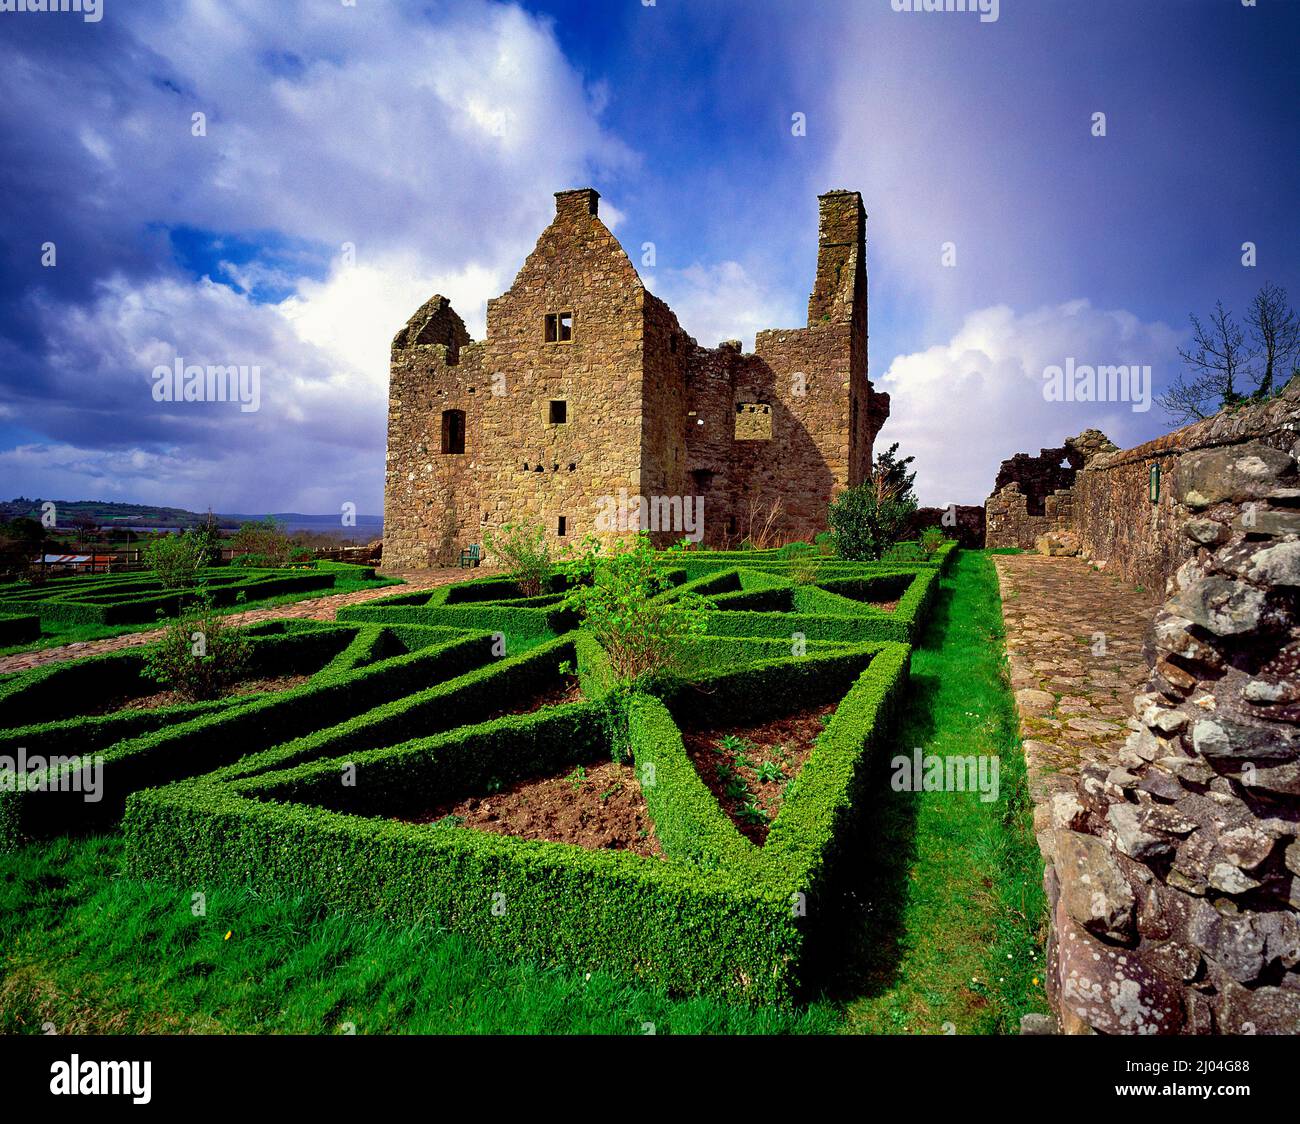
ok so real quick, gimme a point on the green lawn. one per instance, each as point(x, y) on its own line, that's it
point(943, 928)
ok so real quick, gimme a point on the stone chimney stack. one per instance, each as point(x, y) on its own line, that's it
point(579, 201)
point(841, 258)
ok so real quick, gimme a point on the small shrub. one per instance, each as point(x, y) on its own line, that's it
point(616, 593)
point(525, 555)
point(869, 518)
point(177, 560)
point(199, 656)
point(932, 538)
point(904, 552)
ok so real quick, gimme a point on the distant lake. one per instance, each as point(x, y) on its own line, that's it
point(368, 526)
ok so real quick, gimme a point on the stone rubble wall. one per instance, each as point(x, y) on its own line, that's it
point(1008, 521)
point(1033, 496)
point(1118, 526)
point(1173, 876)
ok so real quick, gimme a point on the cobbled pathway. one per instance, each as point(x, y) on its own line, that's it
point(1074, 642)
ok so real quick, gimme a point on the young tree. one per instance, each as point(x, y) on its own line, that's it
point(199, 655)
point(176, 560)
point(1229, 364)
point(208, 536)
point(870, 518)
point(524, 554)
point(262, 542)
point(895, 475)
point(1275, 335)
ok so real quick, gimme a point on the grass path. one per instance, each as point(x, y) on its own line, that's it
point(951, 890)
point(952, 941)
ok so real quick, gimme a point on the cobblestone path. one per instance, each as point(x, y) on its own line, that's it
point(1074, 642)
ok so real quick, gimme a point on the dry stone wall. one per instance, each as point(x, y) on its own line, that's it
point(1174, 876)
point(1118, 525)
point(1034, 496)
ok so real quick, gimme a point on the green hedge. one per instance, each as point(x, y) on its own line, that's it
point(19, 628)
point(522, 628)
point(136, 599)
point(209, 740)
point(698, 563)
point(718, 915)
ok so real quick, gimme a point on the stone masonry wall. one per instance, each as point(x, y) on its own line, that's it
point(1174, 876)
point(644, 408)
point(1117, 524)
point(1035, 495)
point(1008, 521)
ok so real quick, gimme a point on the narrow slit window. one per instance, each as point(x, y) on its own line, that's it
point(562, 527)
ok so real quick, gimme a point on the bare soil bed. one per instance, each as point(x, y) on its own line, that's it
point(566, 690)
point(172, 698)
point(748, 768)
point(598, 806)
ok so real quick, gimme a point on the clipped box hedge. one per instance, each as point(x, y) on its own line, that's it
point(717, 915)
point(143, 748)
point(116, 599)
point(697, 563)
point(19, 628)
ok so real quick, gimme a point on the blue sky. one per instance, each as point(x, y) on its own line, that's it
point(428, 137)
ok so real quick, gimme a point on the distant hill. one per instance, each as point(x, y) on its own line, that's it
point(108, 514)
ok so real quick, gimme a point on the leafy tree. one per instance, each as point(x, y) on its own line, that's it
point(208, 535)
point(869, 518)
point(21, 540)
point(176, 560)
point(895, 474)
point(261, 542)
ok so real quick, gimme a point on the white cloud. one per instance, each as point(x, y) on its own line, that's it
point(432, 147)
point(722, 302)
point(964, 406)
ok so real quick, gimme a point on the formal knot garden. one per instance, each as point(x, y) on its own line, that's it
point(475, 760)
point(83, 607)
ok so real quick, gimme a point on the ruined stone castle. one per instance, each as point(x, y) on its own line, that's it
point(587, 387)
